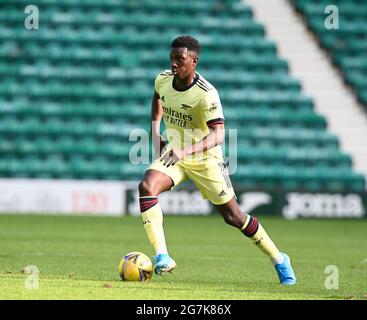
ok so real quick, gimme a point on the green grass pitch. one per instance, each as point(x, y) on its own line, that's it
point(78, 258)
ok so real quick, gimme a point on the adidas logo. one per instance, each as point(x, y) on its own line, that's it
point(162, 99)
point(222, 193)
point(185, 106)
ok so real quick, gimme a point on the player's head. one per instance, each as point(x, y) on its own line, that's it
point(184, 56)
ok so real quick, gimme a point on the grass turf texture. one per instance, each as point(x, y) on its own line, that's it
point(78, 258)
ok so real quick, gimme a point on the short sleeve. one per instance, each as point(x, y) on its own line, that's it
point(160, 79)
point(157, 83)
point(212, 108)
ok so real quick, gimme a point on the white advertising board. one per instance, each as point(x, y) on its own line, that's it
point(62, 197)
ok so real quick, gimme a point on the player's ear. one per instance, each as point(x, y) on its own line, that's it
point(195, 60)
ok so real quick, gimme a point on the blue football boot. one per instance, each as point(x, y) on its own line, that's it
point(164, 263)
point(285, 271)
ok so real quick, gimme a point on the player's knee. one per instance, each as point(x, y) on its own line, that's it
point(233, 219)
point(146, 188)
point(228, 219)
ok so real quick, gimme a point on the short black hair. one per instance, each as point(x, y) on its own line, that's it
point(186, 42)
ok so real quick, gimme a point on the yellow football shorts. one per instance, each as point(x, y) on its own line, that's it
point(211, 179)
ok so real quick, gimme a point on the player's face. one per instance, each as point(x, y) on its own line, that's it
point(183, 62)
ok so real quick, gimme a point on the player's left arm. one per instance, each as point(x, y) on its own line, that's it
point(213, 139)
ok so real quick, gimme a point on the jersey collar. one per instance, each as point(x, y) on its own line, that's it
point(188, 87)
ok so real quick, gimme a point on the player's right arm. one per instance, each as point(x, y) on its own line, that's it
point(156, 118)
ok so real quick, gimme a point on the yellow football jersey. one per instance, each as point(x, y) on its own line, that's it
point(188, 114)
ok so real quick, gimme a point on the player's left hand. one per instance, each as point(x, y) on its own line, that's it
point(171, 157)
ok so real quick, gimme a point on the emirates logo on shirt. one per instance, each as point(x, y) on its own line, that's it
point(174, 117)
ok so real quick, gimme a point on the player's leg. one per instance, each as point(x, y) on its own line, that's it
point(158, 179)
point(215, 185)
point(154, 183)
point(252, 229)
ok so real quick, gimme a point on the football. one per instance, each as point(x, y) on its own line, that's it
point(135, 266)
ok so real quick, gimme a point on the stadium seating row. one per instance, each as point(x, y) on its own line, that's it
point(235, 9)
point(252, 175)
point(154, 21)
point(247, 153)
point(234, 117)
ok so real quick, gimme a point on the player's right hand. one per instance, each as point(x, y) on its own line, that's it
point(160, 145)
